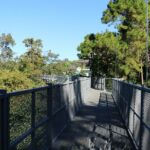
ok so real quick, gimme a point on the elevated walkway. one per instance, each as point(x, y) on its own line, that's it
point(97, 126)
point(72, 116)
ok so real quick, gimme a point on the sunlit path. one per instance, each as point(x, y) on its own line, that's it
point(98, 124)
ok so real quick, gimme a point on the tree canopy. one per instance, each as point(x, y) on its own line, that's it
point(25, 71)
point(6, 42)
point(128, 43)
point(112, 54)
point(102, 48)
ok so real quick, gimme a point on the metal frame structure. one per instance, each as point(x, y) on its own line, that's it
point(133, 102)
point(61, 101)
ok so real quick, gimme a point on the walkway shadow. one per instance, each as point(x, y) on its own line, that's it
point(100, 126)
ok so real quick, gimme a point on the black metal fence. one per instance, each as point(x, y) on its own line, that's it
point(103, 84)
point(108, 84)
point(33, 119)
point(98, 83)
point(134, 104)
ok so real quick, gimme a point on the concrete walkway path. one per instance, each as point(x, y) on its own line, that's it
point(98, 126)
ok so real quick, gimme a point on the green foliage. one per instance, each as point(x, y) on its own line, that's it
point(25, 71)
point(62, 68)
point(21, 73)
point(130, 19)
point(34, 53)
point(21, 112)
point(126, 47)
point(103, 52)
point(20, 115)
point(32, 62)
point(33, 45)
point(14, 80)
point(51, 57)
point(6, 40)
point(6, 53)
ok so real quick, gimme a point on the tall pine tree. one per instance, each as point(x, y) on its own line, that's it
point(130, 20)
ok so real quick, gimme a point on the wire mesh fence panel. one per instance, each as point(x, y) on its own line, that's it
point(41, 139)
point(20, 116)
point(76, 100)
point(31, 114)
point(137, 121)
point(28, 109)
point(71, 101)
point(59, 122)
point(56, 98)
point(40, 105)
point(123, 100)
point(146, 121)
point(108, 84)
point(135, 109)
point(1, 120)
point(72, 92)
point(114, 91)
point(60, 118)
point(131, 121)
point(137, 125)
point(146, 108)
point(84, 89)
point(146, 139)
point(131, 105)
point(24, 144)
point(64, 94)
point(98, 83)
point(137, 97)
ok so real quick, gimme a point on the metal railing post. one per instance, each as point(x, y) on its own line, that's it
point(1, 126)
point(2, 92)
point(4, 121)
point(50, 114)
point(104, 84)
point(141, 118)
point(33, 121)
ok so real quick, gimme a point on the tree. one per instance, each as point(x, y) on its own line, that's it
point(129, 17)
point(51, 57)
point(103, 49)
point(32, 60)
point(6, 42)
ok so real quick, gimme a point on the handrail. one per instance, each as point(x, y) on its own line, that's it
point(45, 105)
point(138, 122)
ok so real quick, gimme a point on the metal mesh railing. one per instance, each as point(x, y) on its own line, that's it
point(28, 113)
point(103, 84)
point(108, 84)
point(98, 83)
point(33, 119)
point(134, 104)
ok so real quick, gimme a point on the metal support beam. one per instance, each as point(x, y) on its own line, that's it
point(4, 120)
point(50, 114)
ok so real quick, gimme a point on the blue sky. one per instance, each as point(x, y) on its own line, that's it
point(61, 24)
